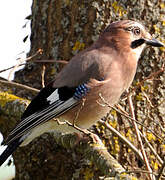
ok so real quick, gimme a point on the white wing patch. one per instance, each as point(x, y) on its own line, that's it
point(54, 107)
point(53, 110)
point(53, 97)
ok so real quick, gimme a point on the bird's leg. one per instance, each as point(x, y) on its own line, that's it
point(85, 131)
point(85, 135)
point(88, 136)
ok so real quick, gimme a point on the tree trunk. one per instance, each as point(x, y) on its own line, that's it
point(62, 28)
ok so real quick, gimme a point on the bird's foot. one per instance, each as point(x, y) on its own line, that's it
point(87, 136)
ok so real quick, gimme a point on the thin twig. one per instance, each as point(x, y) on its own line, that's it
point(158, 124)
point(51, 61)
point(161, 171)
point(43, 75)
point(125, 114)
point(122, 138)
point(40, 51)
point(121, 109)
point(85, 131)
point(1, 71)
point(139, 138)
point(139, 171)
point(37, 61)
point(14, 68)
point(152, 149)
point(151, 76)
point(78, 111)
point(148, 99)
point(22, 60)
point(10, 83)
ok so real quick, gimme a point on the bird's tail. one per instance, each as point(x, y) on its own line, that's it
point(9, 150)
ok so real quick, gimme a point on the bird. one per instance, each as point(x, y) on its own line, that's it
point(104, 69)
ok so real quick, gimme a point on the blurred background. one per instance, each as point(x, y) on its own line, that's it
point(14, 28)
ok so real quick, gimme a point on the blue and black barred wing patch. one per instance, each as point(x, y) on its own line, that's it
point(56, 103)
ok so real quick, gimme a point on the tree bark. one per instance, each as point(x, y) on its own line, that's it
point(62, 28)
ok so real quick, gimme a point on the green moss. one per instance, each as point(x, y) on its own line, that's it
point(6, 97)
point(12, 105)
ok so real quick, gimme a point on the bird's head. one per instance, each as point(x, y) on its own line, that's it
point(129, 35)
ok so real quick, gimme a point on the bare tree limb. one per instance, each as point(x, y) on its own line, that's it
point(1, 71)
point(161, 171)
point(43, 75)
point(151, 76)
point(152, 149)
point(94, 151)
point(122, 138)
point(125, 114)
point(151, 176)
point(14, 84)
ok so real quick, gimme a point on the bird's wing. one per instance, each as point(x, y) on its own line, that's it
point(49, 103)
point(62, 94)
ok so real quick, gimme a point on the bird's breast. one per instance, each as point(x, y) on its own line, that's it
point(93, 106)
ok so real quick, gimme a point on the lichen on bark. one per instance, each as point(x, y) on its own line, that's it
point(62, 28)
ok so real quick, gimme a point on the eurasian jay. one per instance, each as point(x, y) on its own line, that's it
point(106, 68)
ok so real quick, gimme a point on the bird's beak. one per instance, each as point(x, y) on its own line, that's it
point(153, 42)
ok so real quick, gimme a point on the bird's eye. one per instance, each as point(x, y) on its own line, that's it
point(136, 31)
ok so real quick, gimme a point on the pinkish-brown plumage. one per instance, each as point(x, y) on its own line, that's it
point(105, 69)
point(111, 58)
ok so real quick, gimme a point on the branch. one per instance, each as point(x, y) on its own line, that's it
point(152, 177)
point(123, 139)
point(37, 61)
point(152, 149)
point(121, 111)
point(161, 171)
point(1, 71)
point(17, 85)
point(13, 106)
point(151, 76)
point(96, 153)
point(22, 60)
point(51, 61)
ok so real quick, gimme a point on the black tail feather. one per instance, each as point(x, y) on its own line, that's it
point(9, 150)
